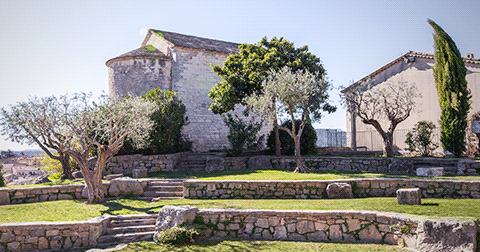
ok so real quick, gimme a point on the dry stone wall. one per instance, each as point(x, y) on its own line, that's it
point(34, 236)
point(153, 163)
point(316, 189)
point(40, 194)
point(328, 226)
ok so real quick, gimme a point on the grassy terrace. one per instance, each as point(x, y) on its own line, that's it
point(290, 175)
point(75, 210)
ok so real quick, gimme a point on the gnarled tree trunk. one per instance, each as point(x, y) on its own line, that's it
point(67, 170)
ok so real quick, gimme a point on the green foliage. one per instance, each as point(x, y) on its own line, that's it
point(307, 140)
point(419, 139)
point(177, 235)
point(168, 119)
point(243, 72)
point(453, 94)
point(50, 166)
point(243, 134)
point(2, 179)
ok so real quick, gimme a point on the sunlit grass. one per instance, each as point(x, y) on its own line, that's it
point(74, 210)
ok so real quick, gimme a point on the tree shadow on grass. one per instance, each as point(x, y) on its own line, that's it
point(113, 206)
point(430, 204)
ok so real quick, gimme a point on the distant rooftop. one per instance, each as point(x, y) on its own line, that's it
point(469, 60)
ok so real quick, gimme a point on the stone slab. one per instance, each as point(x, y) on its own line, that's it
point(111, 177)
point(430, 172)
point(409, 196)
point(339, 191)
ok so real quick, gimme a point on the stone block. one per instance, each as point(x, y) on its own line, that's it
point(113, 176)
point(4, 198)
point(430, 172)
point(339, 191)
point(139, 173)
point(409, 196)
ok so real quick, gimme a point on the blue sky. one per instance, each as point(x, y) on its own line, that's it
point(55, 47)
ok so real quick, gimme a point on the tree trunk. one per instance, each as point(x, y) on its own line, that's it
point(93, 181)
point(388, 144)
point(278, 148)
point(298, 158)
point(67, 170)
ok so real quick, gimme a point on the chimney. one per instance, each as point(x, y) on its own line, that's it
point(469, 56)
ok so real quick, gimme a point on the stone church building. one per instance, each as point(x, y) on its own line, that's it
point(413, 68)
point(181, 63)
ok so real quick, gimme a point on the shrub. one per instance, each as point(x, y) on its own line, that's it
point(177, 235)
point(168, 120)
point(419, 139)
point(243, 135)
point(307, 141)
point(2, 180)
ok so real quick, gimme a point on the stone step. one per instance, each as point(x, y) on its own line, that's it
point(134, 222)
point(124, 238)
point(132, 216)
point(163, 188)
point(154, 199)
point(129, 229)
point(156, 194)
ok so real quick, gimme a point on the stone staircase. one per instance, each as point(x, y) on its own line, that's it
point(193, 161)
point(164, 189)
point(128, 228)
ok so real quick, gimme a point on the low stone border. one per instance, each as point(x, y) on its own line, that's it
point(316, 189)
point(329, 226)
point(30, 236)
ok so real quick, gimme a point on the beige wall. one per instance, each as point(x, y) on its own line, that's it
point(419, 73)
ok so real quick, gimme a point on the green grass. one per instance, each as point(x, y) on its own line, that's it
point(289, 175)
point(227, 246)
point(74, 210)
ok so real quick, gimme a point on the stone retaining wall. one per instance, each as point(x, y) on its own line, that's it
point(30, 236)
point(316, 189)
point(327, 226)
point(40, 193)
point(153, 163)
point(166, 162)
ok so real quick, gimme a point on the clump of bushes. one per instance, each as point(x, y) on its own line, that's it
point(182, 233)
point(177, 235)
point(243, 135)
point(420, 138)
point(307, 141)
point(168, 120)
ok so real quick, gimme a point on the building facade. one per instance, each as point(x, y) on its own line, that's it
point(413, 68)
point(182, 63)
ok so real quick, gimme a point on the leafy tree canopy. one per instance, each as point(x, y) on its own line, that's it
point(243, 73)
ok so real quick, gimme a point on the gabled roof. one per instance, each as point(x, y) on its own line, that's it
point(144, 52)
point(188, 41)
point(406, 56)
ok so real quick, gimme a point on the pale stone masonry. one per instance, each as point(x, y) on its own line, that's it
point(172, 61)
point(325, 226)
point(317, 189)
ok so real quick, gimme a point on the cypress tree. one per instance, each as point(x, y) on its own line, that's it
point(453, 94)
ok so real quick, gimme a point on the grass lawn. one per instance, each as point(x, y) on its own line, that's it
point(74, 210)
point(289, 175)
point(224, 246)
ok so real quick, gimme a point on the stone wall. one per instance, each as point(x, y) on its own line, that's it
point(153, 163)
point(34, 236)
point(316, 189)
point(40, 194)
point(326, 226)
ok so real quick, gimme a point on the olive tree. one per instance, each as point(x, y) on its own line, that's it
point(97, 132)
point(299, 95)
point(39, 121)
point(373, 104)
